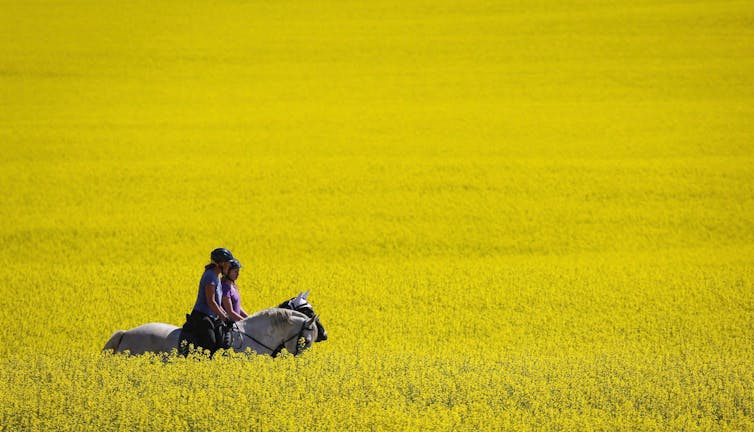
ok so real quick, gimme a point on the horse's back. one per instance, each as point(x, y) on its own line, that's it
point(155, 329)
point(151, 337)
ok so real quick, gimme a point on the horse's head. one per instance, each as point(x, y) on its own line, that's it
point(301, 304)
point(306, 335)
point(311, 332)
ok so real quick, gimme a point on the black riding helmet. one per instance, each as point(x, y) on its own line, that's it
point(234, 264)
point(221, 255)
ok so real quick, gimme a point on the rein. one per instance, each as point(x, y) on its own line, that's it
point(275, 351)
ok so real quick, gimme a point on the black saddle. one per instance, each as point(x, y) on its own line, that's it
point(223, 336)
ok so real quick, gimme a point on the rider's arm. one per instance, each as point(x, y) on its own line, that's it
point(228, 306)
point(209, 293)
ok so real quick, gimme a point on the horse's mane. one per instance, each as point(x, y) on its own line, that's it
point(278, 317)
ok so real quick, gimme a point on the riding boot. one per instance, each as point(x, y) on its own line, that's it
point(204, 331)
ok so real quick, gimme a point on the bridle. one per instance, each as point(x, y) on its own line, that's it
point(307, 325)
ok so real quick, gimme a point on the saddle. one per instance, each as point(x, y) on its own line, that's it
point(223, 336)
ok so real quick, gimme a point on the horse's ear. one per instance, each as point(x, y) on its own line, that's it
point(296, 301)
point(306, 295)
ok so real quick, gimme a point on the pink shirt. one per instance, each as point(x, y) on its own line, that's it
point(230, 291)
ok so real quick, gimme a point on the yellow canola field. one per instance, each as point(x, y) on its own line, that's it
point(512, 215)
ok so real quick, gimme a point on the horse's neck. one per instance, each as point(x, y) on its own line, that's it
point(262, 329)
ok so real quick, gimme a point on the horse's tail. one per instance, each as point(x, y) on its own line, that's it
point(114, 341)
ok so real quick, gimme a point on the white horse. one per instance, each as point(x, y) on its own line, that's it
point(266, 332)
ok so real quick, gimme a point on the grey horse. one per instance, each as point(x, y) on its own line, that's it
point(266, 332)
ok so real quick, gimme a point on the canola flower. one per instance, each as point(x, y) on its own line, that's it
point(511, 216)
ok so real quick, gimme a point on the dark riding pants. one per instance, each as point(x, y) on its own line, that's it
point(204, 329)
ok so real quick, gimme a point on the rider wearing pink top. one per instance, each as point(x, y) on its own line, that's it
point(231, 299)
